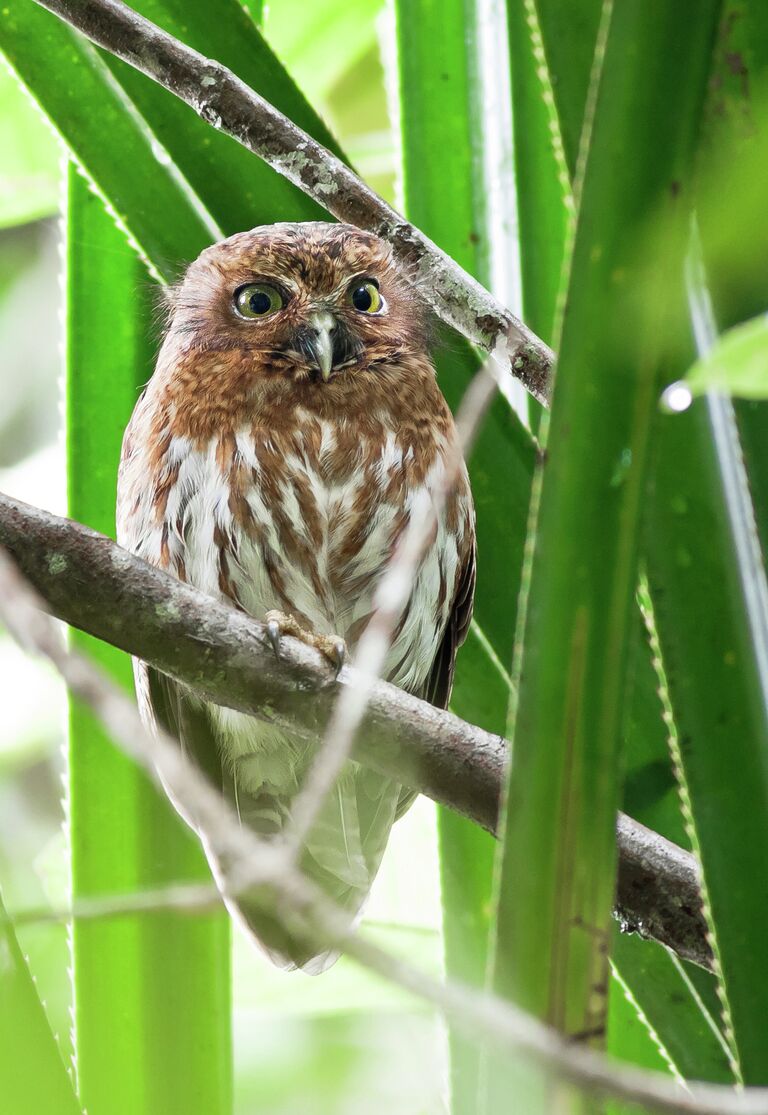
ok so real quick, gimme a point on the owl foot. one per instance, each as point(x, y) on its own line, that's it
point(331, 646)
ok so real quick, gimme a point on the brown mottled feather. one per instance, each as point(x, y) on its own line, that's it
point(248, 475)
point(438, 686)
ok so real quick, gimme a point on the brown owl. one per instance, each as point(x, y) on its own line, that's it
point(292, 425)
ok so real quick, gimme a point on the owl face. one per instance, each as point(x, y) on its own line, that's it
point(311, 301)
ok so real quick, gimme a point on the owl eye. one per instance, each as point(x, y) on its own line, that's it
point(365, 297)
point(258, 300)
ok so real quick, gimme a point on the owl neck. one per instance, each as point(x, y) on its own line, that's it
point(205, 395)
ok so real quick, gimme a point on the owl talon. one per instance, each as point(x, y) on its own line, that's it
point(274, 634)
point(331, 647)
point(338, 655)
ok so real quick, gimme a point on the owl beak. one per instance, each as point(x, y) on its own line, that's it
point(322, 326)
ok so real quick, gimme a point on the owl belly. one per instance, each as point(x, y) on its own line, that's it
point(311, 538)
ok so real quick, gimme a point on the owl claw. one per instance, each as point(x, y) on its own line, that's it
point(338, 655)
point(332, 647)
point(274, 634)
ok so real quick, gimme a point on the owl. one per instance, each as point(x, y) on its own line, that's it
point(291, 428)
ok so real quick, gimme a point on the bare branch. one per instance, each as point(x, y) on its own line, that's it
point(304, 908)
point(224, 101)
point(93, 584)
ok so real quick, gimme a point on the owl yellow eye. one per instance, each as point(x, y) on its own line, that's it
point(365, 297)
point(258, 300)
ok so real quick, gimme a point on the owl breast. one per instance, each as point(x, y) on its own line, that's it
point(305, 520)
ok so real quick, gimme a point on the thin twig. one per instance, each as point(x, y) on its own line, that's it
point(390, 601)
point(224, 101)
point(484, 1017)
point(186, 898)
point(93, 584)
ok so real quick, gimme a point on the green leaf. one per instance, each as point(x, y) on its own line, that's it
point(545, 214)
point(734, 234)
point(706, 573)
point(173, 182)
point(730, 198)
point(736, 365)
point(439, 63)
point(640, 1046)
point(33, 1078)
point(70, 83)
point(439, 103)
point(687, 1034)
point(29, 176)
point(650, 788)
point(715, 664)
point(550, 69)
point(707, 589)
point(542, 179)
point(151, 991)
point(568, 33)
point(752, 418)
point(239, 191)
point(676, 1004)
point(557, 872)
point(328, 30)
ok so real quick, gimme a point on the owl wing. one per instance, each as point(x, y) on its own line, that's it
point(184, 717)
point(166, 705)
point(439, 682)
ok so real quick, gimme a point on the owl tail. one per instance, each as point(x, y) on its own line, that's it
point(341, 857)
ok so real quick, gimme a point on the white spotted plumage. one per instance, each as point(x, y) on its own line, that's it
point(198, 503)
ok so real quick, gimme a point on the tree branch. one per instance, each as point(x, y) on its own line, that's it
point(273, 881)
point(93, 584)
point(227, 103)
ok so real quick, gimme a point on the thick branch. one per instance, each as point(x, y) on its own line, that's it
point(95, 585)
point(224, 101)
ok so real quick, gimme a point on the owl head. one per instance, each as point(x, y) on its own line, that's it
point(311, 301)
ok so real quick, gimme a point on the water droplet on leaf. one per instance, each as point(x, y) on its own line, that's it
point(676, 398)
